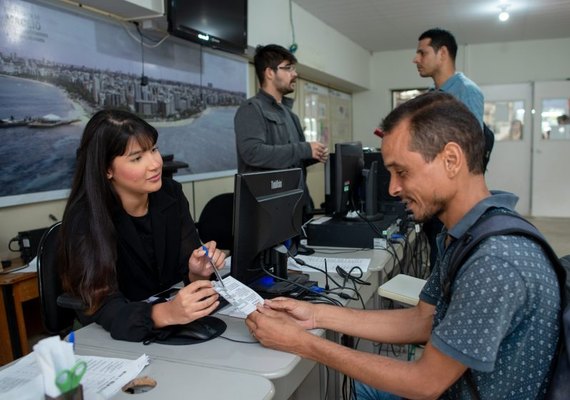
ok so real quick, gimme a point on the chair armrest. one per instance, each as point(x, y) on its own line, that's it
point(66, 300)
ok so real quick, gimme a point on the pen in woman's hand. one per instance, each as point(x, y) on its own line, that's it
point(216, 272)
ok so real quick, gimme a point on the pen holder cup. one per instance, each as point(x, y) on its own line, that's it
point(73, 394)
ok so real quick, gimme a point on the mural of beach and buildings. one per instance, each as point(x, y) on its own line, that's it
point(57, 68)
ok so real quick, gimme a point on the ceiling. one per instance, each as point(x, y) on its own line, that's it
point(380, 25)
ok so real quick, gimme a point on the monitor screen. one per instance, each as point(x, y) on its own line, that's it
point(267, 214)
point(345, 178)
point(220, 24)
point(387, 203)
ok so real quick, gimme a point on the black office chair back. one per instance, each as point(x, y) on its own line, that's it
point(56, 319)
point(216, 221)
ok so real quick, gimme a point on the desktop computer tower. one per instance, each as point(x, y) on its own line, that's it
point(340, 232)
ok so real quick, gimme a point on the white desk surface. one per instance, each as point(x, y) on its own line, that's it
point(403, 288)
point(175, 380)
point(286, 371)
point(218, 353)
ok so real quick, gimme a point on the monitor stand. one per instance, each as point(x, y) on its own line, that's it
point(269, 287)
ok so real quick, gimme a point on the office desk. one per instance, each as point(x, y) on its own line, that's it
point(286, 371)
point(176, 380)
point(181, 380)
point(17, 288)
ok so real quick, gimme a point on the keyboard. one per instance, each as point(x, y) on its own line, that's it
point(332, 262)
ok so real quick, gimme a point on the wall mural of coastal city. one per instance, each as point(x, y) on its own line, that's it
point(58, 67)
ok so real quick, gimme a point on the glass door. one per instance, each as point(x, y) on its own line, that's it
point(551, 150)
point(508, 114)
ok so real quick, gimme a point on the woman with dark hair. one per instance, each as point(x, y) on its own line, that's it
point(127, 234)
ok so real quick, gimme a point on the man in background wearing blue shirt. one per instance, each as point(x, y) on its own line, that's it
point(435, 58)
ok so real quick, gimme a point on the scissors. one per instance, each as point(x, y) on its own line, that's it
point(68, 379)
point(216, 272)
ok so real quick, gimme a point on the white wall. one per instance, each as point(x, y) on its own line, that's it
point(324, 55)
point(486, 64)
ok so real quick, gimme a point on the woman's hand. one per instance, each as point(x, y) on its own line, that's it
point(194, 301)
point(199, 264)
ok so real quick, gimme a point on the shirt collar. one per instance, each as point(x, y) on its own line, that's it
point(286, 101)
point(498, 199)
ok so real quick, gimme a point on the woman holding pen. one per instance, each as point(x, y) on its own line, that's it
point(127, 234)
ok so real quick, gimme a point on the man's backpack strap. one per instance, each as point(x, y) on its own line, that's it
point(495, 223)
point(502, 222)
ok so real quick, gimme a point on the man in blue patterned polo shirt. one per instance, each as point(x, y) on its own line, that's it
point(500, 325)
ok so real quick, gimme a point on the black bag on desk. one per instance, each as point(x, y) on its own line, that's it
point(28, 242)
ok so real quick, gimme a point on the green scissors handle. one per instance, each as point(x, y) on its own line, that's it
point(68, 379)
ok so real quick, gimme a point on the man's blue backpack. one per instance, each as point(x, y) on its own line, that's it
point(503, 222)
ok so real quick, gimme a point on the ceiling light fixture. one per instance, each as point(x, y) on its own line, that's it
point(504, 13)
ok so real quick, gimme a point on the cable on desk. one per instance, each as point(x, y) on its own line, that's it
point(238, 341)
point(305, 264)
point(306, 288)
point(346, 276)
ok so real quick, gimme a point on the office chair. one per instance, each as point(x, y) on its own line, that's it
point(216, 221)
point(57, 307)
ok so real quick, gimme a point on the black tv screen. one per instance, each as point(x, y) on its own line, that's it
point(220, 24)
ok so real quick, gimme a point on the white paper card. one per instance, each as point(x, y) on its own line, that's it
point(242, 297)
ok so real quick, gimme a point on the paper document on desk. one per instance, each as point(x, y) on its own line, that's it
point(319, 262)
point(242, 297)
point(103, 379)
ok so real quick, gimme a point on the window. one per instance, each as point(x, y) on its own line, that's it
point(400, 96)
point(555, 120)
point(505, 118)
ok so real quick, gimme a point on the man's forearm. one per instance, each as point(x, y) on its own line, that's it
point(425, 379)
point(410, 325)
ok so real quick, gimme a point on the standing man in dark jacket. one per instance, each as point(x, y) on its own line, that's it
point(268, 133)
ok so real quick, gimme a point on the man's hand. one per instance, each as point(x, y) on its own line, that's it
point(319, 151)
point(276, 329)
point(301, 311)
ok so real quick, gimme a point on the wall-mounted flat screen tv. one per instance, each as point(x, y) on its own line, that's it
point(220, 24)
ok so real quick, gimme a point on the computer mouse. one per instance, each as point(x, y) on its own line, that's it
point(197, 331)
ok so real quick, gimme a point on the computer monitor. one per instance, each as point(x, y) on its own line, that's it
point(348, 176)
point(387, 204)
point(370, 192)
point(268, 209)
point(348, 184)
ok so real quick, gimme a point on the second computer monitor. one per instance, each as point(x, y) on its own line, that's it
point(345, 178)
